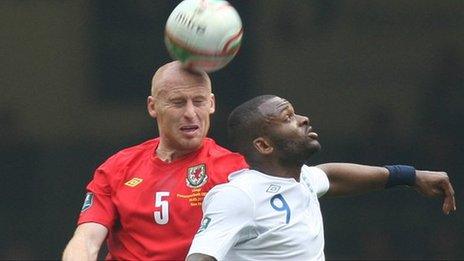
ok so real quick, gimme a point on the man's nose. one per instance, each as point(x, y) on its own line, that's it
point(303, 120)
point(189, 110)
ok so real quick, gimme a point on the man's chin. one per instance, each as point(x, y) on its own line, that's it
point(192, 144)
point(314, 146)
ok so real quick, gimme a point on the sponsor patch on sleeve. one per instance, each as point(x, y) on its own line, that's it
point(87, 202)
point(204, 224)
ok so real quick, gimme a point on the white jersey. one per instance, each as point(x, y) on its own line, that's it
point(260, 217)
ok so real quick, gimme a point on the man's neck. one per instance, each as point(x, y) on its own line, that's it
point(169, 155)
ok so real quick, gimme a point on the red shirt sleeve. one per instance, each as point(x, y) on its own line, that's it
point(98, 206)
point(228, 164)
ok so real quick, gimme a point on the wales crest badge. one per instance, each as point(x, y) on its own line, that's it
point(196, 176)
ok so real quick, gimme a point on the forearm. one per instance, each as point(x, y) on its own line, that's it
point(351, 179)
point(79, 249)
point(86, 242)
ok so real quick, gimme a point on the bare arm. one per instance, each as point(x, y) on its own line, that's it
point(200, 257)
point(350, 179)
point(86, 242)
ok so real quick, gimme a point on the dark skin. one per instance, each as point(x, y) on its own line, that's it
point(288, 141)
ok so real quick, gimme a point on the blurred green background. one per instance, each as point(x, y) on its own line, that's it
point(382, 82)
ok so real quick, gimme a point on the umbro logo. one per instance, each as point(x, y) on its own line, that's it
point(273, 188)
point(133, 182)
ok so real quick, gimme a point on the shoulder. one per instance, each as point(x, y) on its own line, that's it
point(316, 179)
point(132, 151)
point(240, 182)
point(247, 181)
point(223, 158)
point(126, 156)
point(244, 178)
point(214, 149)
point(311, 170)
point(228, 195)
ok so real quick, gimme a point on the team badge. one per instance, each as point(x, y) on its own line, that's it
point(196, 176)
point(88, 201)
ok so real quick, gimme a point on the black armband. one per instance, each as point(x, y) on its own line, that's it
point(400, 175)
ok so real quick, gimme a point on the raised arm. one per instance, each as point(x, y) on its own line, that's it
point(351, 179)
point(86, 242)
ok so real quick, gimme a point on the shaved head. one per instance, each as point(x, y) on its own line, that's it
point(173, 74)
point(181, 102)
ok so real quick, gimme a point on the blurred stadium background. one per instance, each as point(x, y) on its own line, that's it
point(382, 81)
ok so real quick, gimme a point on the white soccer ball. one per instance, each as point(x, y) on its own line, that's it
point(203, 34)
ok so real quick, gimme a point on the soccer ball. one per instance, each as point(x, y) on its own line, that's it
point(203, 34)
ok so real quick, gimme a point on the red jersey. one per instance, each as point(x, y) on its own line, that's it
point(151, 208)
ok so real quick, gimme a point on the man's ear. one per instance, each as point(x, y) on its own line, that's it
point(151, 106)
point(213, 104)
point(263, 145)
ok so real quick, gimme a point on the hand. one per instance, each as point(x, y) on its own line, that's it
point(435, 184)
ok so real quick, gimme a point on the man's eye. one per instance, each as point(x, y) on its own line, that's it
point(177, 102)
point(289, 117)
point(199, 101)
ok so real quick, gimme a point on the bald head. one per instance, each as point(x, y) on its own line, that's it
point(173, 74)
point(181, 102)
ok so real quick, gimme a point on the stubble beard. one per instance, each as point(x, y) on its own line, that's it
point(295, 152)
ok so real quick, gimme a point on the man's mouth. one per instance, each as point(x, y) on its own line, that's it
point(310, 133)
point(189, 128)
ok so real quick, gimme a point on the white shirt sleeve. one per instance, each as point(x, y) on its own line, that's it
point(316, 179)
point(227, 213)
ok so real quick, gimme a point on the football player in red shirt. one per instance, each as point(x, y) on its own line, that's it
point(146, 200)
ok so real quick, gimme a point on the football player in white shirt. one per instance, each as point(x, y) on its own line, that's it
point(272, 211)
